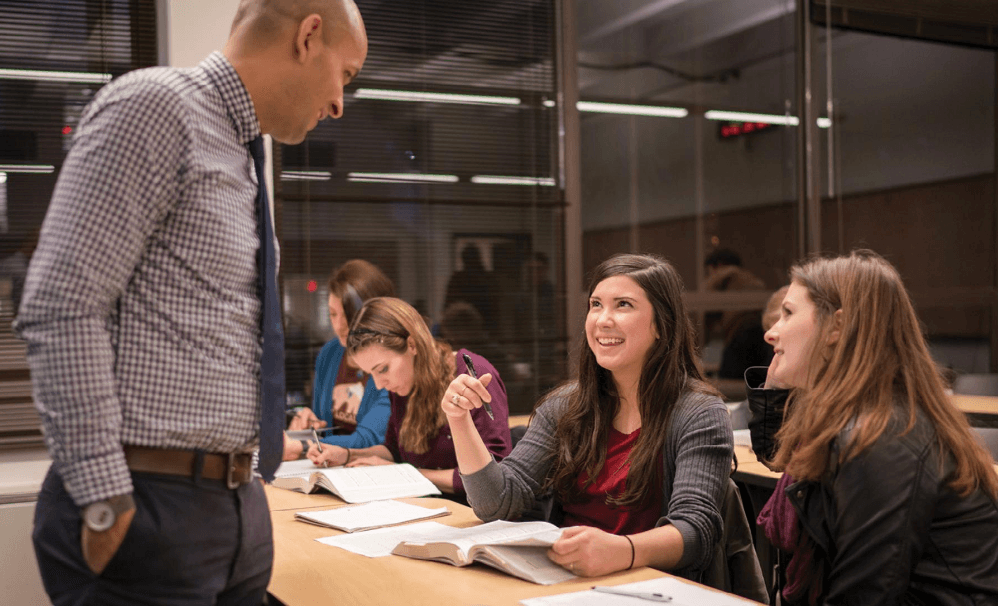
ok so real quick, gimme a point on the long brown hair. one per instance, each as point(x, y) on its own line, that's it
point(357, 281)
point(671, 368)
point(392, 323)
point(878, 362)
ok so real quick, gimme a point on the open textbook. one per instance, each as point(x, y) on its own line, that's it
point(355, 484)
point(516, 548)
point(369, 515)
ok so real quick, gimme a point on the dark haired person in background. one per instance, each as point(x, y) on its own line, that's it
point(741, 330)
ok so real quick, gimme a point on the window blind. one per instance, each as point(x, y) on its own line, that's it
point(449, 143)
point(54, 56)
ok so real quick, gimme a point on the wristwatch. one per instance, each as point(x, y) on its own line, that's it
point(101, 515)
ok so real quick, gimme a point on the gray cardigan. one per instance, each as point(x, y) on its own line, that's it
point(696, 463)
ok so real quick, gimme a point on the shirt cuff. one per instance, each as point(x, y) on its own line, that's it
point(483, 482)
point(691, 542)
point(96, 479)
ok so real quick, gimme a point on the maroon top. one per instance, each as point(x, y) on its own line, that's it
point(441, 455)
point(593, 510)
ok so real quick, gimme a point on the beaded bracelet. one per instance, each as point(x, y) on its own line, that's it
point(632, 551)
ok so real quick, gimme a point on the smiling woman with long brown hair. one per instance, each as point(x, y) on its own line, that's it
point(893, 499)
point(636, 452)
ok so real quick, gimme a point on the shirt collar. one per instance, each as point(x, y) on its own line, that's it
point(235, 97)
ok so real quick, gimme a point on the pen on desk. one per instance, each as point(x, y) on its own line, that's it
point(318, 445)
point(643, 595)
point(474, 375)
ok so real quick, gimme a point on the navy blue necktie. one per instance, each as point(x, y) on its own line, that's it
point(272, 396)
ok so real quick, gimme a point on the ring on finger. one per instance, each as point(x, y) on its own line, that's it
point(455, 398)
point(464, 390)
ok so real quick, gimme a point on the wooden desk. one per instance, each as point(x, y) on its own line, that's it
point(751, 471)
point(519, 420)
point(308, 572)
point(981, 411)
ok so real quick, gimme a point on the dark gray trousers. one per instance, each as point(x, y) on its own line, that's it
point(190, 543)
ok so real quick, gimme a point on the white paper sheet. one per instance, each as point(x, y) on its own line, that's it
point(682, 594)
point(381, 542)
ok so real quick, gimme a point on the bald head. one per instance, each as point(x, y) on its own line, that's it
point(261, 22)
point(295, 57)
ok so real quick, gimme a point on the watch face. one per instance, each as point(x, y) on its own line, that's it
point(99, 516)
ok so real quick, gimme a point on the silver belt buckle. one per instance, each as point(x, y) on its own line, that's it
point(230, 475)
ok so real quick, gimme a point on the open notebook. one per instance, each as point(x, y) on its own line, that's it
point(355, 484)
point(516, 548)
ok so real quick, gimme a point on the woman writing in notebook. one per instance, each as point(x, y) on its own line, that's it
point(344, 397)
point(886, 496)
point(637, 452)
point(389, 340)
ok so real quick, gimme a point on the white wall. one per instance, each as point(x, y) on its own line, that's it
point(196, 28)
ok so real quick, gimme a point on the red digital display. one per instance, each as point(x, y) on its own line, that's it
point(735, 129)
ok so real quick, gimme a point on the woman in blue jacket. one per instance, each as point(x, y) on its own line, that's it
point(343, 396)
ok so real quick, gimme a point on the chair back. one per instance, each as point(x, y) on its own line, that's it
point(988, 436)
point(983, 384)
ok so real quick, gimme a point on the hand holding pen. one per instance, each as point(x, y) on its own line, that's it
point(318, 445)
point(464, 395)
point(474, 375)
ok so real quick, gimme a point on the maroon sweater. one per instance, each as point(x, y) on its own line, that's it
point(441, 455)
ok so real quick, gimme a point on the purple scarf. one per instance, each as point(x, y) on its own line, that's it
point(779, 521)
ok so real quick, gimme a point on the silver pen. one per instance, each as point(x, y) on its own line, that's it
point(643, 595)
point(318, 445)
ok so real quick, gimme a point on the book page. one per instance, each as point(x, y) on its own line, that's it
point(370, 515)
point(376, 483)
point(299, 468)
point(381, 542)
point(497, 533)
point(526, 562)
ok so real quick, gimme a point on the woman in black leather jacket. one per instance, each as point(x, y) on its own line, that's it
point(887, 497)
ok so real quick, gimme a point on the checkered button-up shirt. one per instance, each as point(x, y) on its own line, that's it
point(141, 310)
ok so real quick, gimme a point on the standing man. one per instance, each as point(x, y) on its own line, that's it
point(150, 308)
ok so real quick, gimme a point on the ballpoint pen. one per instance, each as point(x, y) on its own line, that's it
point(318, 445)
point(474, 375)
point(643, 595)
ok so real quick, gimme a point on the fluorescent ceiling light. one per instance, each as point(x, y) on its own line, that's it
point(549, 103)
point(305, 175)
point(407, 95)
point(498, 180)
point(401, 178)
point(632, 110)
point(47, 76)
point(750, 117)
point(3, 178)
point(38, 169)
point(824, 122)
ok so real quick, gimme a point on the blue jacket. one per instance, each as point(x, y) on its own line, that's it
point(375, 408)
